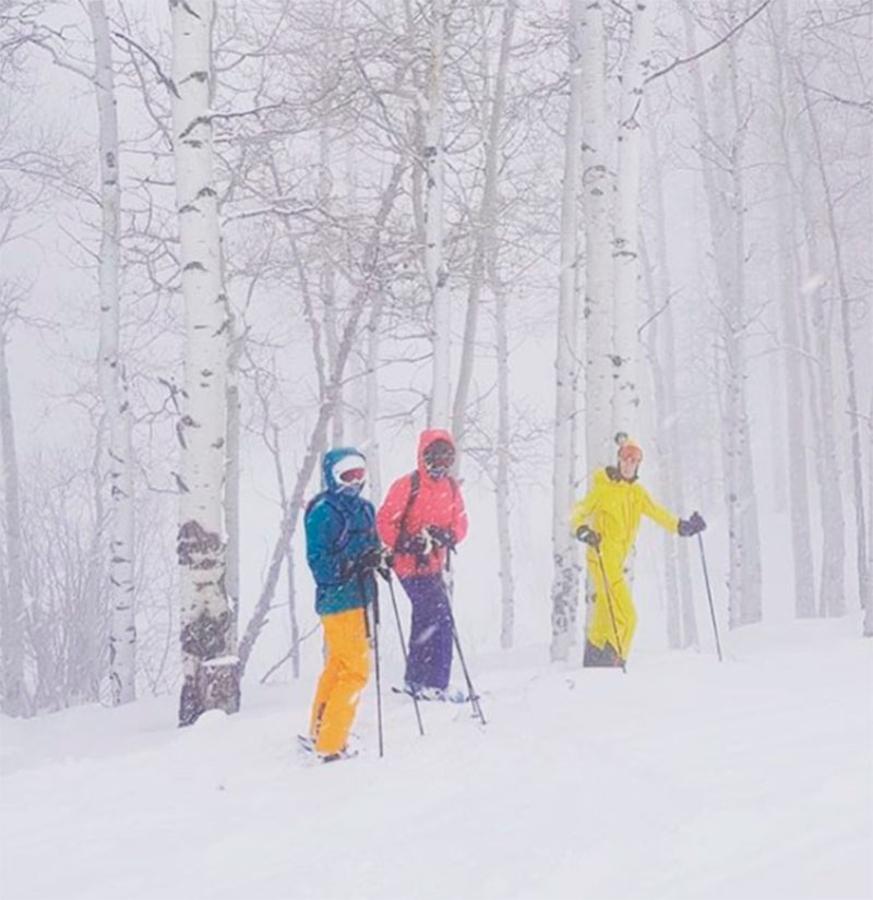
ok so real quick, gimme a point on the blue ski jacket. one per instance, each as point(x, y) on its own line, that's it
point(340, 527)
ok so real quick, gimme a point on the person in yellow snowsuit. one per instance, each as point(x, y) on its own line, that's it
point(607, 520)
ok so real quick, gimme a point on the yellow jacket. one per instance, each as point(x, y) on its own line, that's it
point(613, 508)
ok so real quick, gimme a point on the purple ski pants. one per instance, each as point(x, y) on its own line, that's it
point(430, 639)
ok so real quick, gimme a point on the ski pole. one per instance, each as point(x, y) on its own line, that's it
point(375, 635)
point(709, 594)
point(474, 697)
point(390, 581)
point(611, 609)
point(378, 671)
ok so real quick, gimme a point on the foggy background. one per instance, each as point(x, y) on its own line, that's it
point(299, 183)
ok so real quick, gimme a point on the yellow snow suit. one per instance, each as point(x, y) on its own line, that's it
point(613, 508)
point(346, 669)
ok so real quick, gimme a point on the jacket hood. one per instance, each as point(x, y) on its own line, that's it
point(428, 437)
point(330, 459)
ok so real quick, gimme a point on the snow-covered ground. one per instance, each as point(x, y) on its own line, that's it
point(684, 778)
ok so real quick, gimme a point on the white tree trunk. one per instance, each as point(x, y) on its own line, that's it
point(14, 692)
point(597, 187)
point(868, 611)
point(681, 620)
point(778, 481)
point(724, 195)
point(662, 444)
point(564, 584)
point(801, 536)
point(327, 279)
point(486, 219)
point(820, 377)
point(752, 610)
point(211, 675)
point(434, 152)
point(790, 303)
point(626, 393)
point(671, 421)
point(122, 636)
point(502, 487)
point(292, 614)
point(864, 582)
point(232, 485)
point(371, 405)
point(829, 474)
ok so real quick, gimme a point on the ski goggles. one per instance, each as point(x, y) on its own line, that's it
point(350, 471)
point(439, 455)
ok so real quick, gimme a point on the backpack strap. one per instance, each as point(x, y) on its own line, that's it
point(454, 485)
point(326, 497)
point(414, 487)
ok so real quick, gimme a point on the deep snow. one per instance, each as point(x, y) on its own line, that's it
point(684, 778)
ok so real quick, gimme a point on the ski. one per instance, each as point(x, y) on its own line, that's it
point(307, 748)
point(435, 695)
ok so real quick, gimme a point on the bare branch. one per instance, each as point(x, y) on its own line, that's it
point(167, 82)
point(723, 40)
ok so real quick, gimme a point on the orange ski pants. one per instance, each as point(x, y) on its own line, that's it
point(345, 674)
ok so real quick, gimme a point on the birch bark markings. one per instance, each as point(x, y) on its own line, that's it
point(434, 152)
point(211, 676)
point(744, 494)
point(113, 390)
point(626, 395)
point(597, 191)
point(564, 584)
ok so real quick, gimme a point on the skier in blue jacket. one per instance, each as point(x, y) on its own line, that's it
point(343, 552)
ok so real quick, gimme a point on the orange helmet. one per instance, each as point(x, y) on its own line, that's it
point(628, 449)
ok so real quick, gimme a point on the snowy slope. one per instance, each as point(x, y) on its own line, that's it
point(682, 779)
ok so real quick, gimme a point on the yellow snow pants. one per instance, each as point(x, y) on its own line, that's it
point(346, 670)
point(601, 629)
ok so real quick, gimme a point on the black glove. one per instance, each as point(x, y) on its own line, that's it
point(412, 544)
point(371, 560)
point(588, 536)
point(384, 570)
point(692, 526)
point(442, 537)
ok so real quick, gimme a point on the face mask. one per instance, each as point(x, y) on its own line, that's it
point(438, 470)
point(439, 460)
